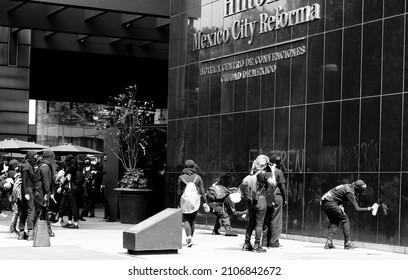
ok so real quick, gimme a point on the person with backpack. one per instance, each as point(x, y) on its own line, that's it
point(222, 207)
point(190, 189)
point(256, 185)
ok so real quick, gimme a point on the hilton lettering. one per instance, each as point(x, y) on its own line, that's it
point(231, 7)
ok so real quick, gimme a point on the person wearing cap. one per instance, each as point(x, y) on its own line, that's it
point(273, 218)
point(43, 181)
point(261, 178)
point(189, 174)
point(332, 204)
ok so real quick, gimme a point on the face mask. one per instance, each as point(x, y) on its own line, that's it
point(87, 163)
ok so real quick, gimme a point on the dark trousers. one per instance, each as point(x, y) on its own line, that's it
point(27, 212)
point(90, 206)
point(189, 223)
point(222, 217)
point(272, 228)
point(336, 216)
point(41, 213)
point(69, 202)
point(256, 212)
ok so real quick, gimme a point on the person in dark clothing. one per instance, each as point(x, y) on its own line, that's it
point(261, 179)
point(273, 218)
point(93, 189)
point(223, 210)
point(27, 196)
point(13, 174)
point(190, 175)
point(43, 181)
point(88, 199)
point(70, 190)
point(332, 204)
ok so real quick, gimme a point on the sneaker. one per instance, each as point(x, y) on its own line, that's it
point(259, 249)
point(3, 215)
point(51, 234)
point(73, 226)
point(67, 225)
point(81, 219)
point(247, 247)
point(350, 245)
point(275, 244)
point(230, 233)
point(329, 245)
point(189, 241)
point(57, 224)
point(216, 232)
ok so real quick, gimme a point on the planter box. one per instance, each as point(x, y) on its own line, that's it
point(134, 204)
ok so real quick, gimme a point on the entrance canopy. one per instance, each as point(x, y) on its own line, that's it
point(119, 27)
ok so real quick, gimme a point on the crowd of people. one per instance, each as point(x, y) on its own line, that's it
point(264, 193)
point(44, 187)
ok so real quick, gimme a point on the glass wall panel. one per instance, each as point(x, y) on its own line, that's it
point(372, 36)
point(192, 90)
point(3, 54)
point(295, 190)
point(367, 225)
point(202, 141)
point(194, 24)
point(317, 26)
point(204, 93)
point(297, 136)
point(214, 144)
point(332, 67)
point(351, 62)
point(314, 122)
point(349, 153)
point(334, 14)
point(191, 137)
point(252, 134)
point(268, 86)
point(405, 135)
point(281, 142)
point(331, 137)
point(315, 217)
point(373, 10)
point(240, 89)
point(266, 132)
point(393, 55)
point(227, 92)
point(217, 23)
point(315, 69)
point(369, 139)
point(282, 80)
point(182, 97)
point(352, 12)
point(298, 78)
point(215, 91)
point(239, 143)
point(14, 77)
point(391, 122)
point(388, 217)
point(404, 210)
point(172, 158)
point(173, 93)
point(253, 83)
point(227, 165)
point(393, 7)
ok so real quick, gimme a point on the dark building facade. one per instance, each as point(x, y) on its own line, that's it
point(320, 82)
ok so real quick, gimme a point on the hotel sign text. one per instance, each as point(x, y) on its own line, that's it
point(244, 28)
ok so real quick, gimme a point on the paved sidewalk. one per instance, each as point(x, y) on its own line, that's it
point(100, 240)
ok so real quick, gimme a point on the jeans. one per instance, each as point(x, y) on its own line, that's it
point(273, 222)
point(222, 217)
point(256, 212)
point(189, 223)
point(336, 216)
point(27, 212)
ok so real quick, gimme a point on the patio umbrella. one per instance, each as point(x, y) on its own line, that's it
point(15, 145)
point(73, 149)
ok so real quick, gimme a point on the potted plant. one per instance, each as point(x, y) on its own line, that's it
point(122, 129)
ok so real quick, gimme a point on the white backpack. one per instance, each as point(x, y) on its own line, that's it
point(190, 200)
